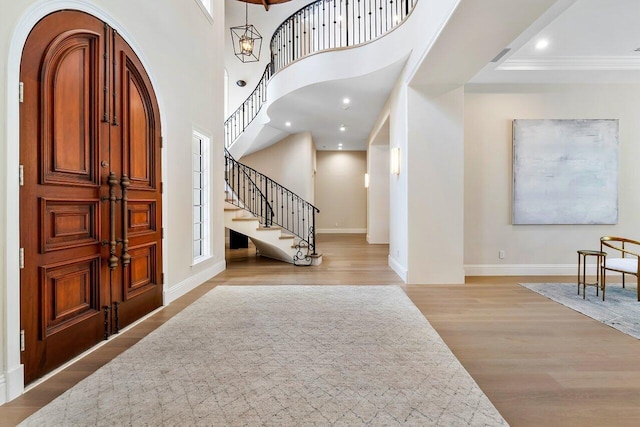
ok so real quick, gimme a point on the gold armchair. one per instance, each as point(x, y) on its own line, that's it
point(626, 262)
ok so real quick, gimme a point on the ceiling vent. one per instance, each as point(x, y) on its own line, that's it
point(501, 54)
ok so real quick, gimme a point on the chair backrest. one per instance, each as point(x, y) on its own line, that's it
point(618, 244)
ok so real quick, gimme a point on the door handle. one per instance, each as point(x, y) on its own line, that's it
point(125, 183)
point(112, 180)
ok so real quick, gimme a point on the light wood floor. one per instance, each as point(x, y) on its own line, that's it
point(540, 363)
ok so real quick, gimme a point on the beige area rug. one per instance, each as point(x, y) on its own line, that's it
point(282, 356)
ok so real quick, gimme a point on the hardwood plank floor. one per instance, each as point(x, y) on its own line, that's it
point(540, 363)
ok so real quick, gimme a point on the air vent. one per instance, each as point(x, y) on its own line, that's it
point(501, 54)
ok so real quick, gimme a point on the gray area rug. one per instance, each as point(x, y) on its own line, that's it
point(620, 310)
point(283, 356)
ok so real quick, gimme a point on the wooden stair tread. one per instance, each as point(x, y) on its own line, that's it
point(267, 228)
point(233, 209)
point(244, 219)
point(286, 236)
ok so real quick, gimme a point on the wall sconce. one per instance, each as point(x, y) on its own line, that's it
point(395, 160)
point(366, 180)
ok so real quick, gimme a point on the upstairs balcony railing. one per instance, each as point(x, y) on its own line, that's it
point(320, 26)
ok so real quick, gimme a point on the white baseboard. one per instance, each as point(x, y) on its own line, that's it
point(399, 269)
point(527, 270)
point(11, 384)
point(341, 230)
point(189, 284)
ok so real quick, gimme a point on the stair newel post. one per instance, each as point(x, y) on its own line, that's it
point(313, 231)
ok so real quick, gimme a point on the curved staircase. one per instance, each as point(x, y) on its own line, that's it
point(279, 222)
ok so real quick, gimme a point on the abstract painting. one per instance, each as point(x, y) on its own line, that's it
point(565, 171)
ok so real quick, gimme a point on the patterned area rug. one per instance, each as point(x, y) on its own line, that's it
point(620, 310)
point(283, 356)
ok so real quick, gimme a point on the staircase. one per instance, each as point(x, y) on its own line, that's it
point(279, 222)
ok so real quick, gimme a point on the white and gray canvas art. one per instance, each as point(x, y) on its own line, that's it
point(565, 171)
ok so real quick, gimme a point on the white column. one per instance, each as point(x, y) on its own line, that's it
point(435, 184)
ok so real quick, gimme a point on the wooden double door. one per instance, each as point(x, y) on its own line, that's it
point(90, 200)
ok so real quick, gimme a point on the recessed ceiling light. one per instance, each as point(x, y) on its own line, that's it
point(542, 44)
point(339, 148)
point(288, 124)
point(346, 101)
point(343, 128)
point(340, 145)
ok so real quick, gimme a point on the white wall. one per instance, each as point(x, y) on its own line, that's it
point(340, 193)
point(435, 185)
point(378, 192)
point(537, 249)
point(188, 84)
point(290, 162)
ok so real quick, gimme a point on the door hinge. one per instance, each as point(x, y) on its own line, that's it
point(21, 257)
point(21, 92)
point(162, 188)
point(21, 175)
point(22, 340)
point(162, 233)
point(162, 278)
point(161, 142)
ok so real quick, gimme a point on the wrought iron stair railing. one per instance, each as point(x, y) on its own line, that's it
point(273, 204)
point(320, 26)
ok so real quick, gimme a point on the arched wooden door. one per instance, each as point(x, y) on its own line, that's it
point(90, 200)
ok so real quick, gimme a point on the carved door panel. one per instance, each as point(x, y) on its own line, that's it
point(135, 158)
point(69, 229)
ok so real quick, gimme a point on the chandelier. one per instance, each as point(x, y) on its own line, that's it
point(247, 41)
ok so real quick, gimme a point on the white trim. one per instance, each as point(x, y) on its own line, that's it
point(341, 231)
point(10, 281)
point(11, 384)
point(571, 63)
point(526, 269)
point(176, 291)
point(399, 269)
point(208, 13)
point(204, 141)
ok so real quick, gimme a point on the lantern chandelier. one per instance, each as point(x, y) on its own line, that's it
point(246, 40)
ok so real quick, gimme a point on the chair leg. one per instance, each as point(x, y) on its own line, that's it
point(578, 274)
point(604, 281)
point(623, 280)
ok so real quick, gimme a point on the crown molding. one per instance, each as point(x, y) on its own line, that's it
point(559, 63)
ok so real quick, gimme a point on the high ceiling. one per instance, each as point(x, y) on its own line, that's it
point(588, 41)
point(265, 3)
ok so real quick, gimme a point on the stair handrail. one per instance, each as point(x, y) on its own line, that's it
point(292, 212)
point(321, 26)
point(265, 213)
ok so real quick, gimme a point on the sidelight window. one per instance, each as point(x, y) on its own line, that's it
point(200, 161)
